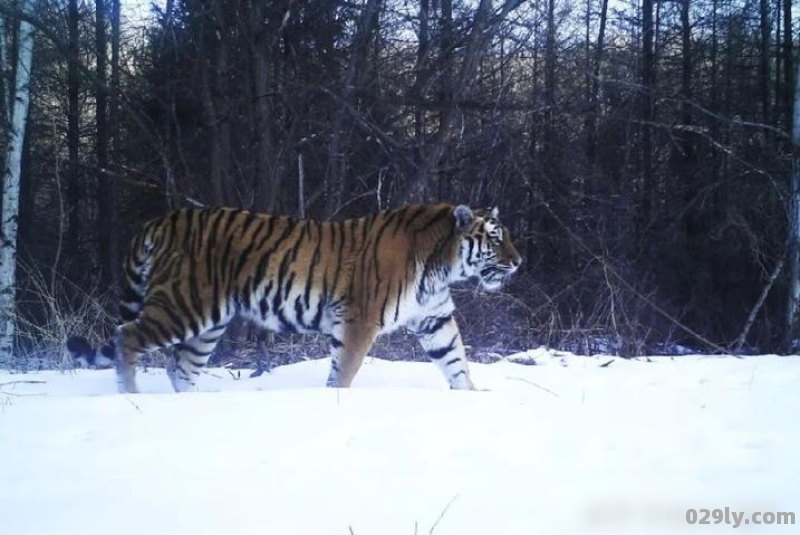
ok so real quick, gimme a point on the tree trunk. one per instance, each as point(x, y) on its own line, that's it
point(763, 63)
point(714, 52)
point(555, 187)
point(73, 245)
point(105, 189)
point(267, 177)
point(788, 63)
point(793, 327)
point(114, 262)
point(683, 153)
point(5, 73)
point(648, 76)
point(11, 186)
point(335, 176)
point(213, 60)
point(421, 72)
point(591, 118)
point(480, 33)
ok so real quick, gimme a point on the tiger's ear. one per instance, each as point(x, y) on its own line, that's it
point(463, 215)
point(495, 212)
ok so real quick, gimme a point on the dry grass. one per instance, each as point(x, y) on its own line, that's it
point(52, 309)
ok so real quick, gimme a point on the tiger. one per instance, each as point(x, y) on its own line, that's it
point(189, 273)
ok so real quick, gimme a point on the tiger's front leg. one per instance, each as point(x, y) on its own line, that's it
point(441, 340)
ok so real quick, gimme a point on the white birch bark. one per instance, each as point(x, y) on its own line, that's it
point(11, 178)
point(4, 70)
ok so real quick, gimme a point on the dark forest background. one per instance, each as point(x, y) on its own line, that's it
point(639, 152)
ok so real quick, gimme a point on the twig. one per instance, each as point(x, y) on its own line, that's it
point(129, 400)
point(533, 384)
point(22, 382)
point(350, 528)
point(757, 307)
point(441, 515)
point(607, 265)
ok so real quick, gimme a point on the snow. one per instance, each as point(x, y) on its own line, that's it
point(566, 446)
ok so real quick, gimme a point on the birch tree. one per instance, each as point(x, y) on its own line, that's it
point(11, 178)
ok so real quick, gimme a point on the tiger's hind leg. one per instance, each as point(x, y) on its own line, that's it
point(156, 329)
point(190, 357)
point(348, 352)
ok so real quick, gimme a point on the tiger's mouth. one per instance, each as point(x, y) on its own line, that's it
point(493, 278)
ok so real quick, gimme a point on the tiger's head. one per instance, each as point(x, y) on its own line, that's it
point(486, 250)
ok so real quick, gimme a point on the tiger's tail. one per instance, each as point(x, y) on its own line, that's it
point(136, 269)
point(87, 355)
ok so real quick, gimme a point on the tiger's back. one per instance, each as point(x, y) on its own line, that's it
point(190, 272)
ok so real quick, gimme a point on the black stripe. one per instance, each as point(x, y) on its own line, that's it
point(186, 310)
point(397, 303)
point(264, 303)
point(383, 307)
point(286, 325)
point(266, 235)
point(194, 289)
point(441, 214)
point(130, 295)
point(249, 219)
point(289, 284)
point(245, 254)
point(267, 256)
point(153, 333)
point(376, 251)
point(338, 260)
point(216, 222)
point(225, 260)
point(310, 276)
point(438, 354)
point(132, 273)
point(192, 350)
point(432, 324)
point(323, 298)
point(421, 210)
point(167, 308)
point(452, 361)
point(335, 342)
point(299, 310)
point(169, 231)
point(216, 313)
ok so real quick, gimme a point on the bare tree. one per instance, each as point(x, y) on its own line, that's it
point(793, 328)
point(788, 62)
point(112, 233)
point(764, 59)
point(336, 176)
point(106, 194)
point(483, 24)
point(648, 110)
point(73, 130)
point(594, 84)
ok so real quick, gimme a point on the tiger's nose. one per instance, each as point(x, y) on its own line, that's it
point(515, 262)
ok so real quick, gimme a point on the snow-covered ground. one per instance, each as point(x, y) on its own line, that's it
point(570, 445)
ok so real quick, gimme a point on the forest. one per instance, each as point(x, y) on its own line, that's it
point(639, 151)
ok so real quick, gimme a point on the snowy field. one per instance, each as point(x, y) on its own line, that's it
point(569, 445)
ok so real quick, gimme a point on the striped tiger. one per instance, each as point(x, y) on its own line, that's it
point(187, 274)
